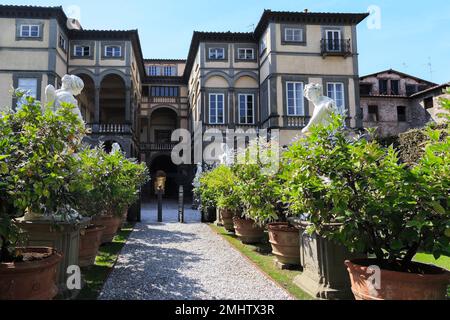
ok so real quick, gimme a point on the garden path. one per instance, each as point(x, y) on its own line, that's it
point(173, 261)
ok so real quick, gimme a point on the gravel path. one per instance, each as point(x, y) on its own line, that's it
point(172, 261)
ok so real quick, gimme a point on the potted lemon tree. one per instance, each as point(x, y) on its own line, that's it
point(109, 184)
point(37, 168)
point(357, 193)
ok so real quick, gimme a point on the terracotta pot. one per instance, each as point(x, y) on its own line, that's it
point(227, 219)
point(111, 223)
point(285, 243)
point(90, 241)
point(391, 285)
point(33, 280)
point(248, 231)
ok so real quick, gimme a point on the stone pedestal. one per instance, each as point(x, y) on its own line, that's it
point(64, 237)
point(324, 274)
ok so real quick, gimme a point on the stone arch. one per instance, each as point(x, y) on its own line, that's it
point(91, 74)
point(113, 99)
point(220, 77)
point(246, 81)
point(246, 73)
point(162, 106)
point(125, 78)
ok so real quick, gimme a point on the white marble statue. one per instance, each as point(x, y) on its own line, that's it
point(324, 107)
point(71, 87)
point(116, 148)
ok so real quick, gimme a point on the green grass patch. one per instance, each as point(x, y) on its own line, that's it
point(443, 262)
point(96, 275)
point(261, 256)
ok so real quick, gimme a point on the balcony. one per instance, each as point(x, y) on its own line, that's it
point(157, 147)
point(163, 100)
point(296, 121)
point(336, 47)
point(110, 128)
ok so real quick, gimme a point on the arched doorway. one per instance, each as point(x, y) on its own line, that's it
point(86, 100)
point(164, 163)
point(112, 100)
point(163, 121)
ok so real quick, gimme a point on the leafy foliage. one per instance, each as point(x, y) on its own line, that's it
point(108, 183)
point(357, 192)
point(218, 189)
point(37, 166)
point(44, 170)
point(256, 171)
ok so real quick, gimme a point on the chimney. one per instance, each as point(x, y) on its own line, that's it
point(306, 11)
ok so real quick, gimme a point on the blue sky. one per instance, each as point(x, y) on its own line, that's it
point(412, 34)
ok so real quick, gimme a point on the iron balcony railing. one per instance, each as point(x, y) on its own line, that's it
point(336, 47)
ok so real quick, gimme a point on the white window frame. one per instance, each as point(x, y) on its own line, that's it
point(29, 30)
point(245, 51)
point(286, 38)
point(77, 46)
point(172, 71)
point(246, 95)
point(332, 95)
point(217, 109)
point(213, 53)
point(62, 42)
point(334, 31)
point(113, 51)
point(296, 107)
point(156, 69)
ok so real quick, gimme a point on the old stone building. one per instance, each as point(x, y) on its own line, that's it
point(230, 80)
point(395, 102)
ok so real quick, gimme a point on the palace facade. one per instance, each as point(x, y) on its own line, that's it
point(228, 81)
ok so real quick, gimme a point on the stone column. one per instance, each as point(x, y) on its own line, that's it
point(231, 109)
point(128, 105)
point(97, 106)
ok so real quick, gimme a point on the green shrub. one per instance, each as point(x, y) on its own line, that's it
point(218, 189)
point(358, 193)
point(257, 182)
point(37, 166)
point(108, 183)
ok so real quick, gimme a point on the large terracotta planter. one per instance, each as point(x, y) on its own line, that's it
point(285, 243)
point(64, 237)
point(90, 241)
point(31, 280)
point(227, 219)
point(111, 224)
point(248, 231)
point(391, 285)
